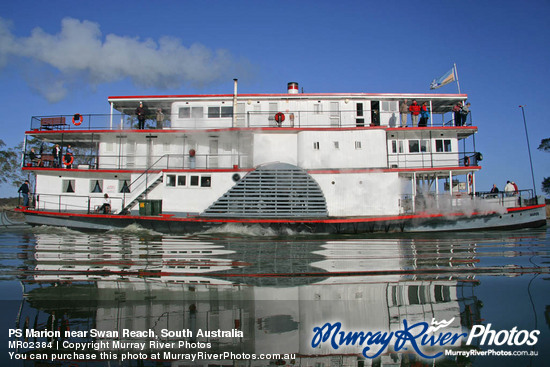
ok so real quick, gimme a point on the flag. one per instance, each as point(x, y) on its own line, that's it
point(445, 79)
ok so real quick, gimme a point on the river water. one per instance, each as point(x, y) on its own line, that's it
point(250, 297)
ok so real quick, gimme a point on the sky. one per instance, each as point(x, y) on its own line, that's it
point(64, 57)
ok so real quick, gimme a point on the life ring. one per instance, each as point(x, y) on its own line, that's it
point(191, 152)
point(77, 119)
point(279, 117)
point(71, 159)
point(470, 179)
point(466, 161)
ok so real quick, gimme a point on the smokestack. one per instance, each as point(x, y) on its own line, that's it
point(292, 88)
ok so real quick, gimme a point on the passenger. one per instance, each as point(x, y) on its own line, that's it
point(494, 191)
point(424, 115)
point(35, 161)
point(56, 153)
point(106, 207)
point(509, 189)
point(464, 113)
point(457, 109)
point(69, 158)
point(160, 119)
point(140, 112)
point(24, 191)
point(404, 111)
point(516, 190)
point(415, 111)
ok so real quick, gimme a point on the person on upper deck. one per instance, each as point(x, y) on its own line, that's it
point(160, 119)
point(34, 158)
point(69, 158)
point(404, 111)
point(56, 153)
point(424, 115)
point(414, 109)
point(509, 188)
point(464, 113)
point(457, 109)
point(140, 112)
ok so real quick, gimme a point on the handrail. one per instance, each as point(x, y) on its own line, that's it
point(173, 161)
point(85, 207)
point(146, 173)
point(443, 202)
point(297, 119)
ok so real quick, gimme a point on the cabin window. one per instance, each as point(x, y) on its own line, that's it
point(197, 112)
point(443, 145)
point(205, 181)
point(216, 112)
point(389, 106)
point(68, 185)
point(182, 180)
point(316, 145)
point(357, 145)
point(414, 146)
point(393, 146)
point(226, 111)
point(194, 181)
point(124, 186)
point(424, 146)
point(317, 108)
point(170, 180)
point(213, 112)
point(184, 112)
point(96, 186)
point(336, 145)
point(190, 112)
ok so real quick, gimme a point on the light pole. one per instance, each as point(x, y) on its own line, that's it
point(529, 150)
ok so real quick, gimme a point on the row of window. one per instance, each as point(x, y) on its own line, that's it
point(194, 181)
point(96, 186)
point(317, 145)
point(420, 146)
point(198, 112)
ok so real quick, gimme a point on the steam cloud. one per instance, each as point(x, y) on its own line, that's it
point(53, 64)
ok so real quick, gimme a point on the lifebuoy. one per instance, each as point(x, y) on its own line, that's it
point(71, 159)
point(279, 117)
point(470, 179)
point(77, 119)
point(466, 161)
point(192, 153)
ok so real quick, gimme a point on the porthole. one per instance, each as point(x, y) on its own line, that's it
point(236, 177)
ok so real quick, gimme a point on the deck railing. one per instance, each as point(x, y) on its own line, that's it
point(251, 119)
point(462, 201)
point(130, 162)
point(71, 203)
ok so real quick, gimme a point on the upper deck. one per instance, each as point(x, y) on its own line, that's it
point(296, 111)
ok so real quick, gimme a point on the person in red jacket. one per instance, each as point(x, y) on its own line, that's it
point(415, 111)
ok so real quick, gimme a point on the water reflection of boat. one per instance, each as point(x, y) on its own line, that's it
point(275, 302)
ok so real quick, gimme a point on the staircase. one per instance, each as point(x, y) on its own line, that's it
point(141, 187)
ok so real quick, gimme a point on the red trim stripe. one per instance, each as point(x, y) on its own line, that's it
point(260, 220)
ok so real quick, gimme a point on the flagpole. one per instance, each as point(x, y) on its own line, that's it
point(529, 150)
point(457, 83)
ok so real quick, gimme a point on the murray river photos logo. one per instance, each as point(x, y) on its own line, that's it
point(420, 337)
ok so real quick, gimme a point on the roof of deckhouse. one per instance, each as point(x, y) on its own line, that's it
point(440, 103)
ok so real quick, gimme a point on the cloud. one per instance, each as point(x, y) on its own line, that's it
point(54, 64)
